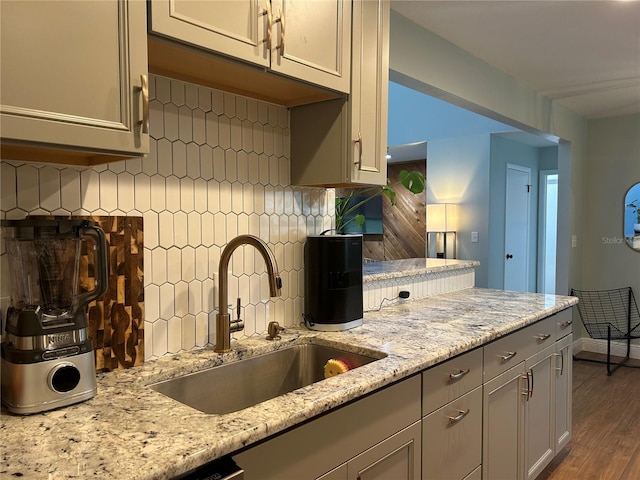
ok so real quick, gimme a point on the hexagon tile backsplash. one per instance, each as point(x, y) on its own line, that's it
point(218, 167)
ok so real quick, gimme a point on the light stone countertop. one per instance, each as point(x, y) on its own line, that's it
point(388, 269)
point(129, 431)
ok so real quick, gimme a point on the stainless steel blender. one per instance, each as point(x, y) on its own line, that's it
point(47, 357)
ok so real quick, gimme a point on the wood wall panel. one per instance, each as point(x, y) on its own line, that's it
point(404, 225)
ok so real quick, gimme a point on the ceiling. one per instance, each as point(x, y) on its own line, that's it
point(583, 54)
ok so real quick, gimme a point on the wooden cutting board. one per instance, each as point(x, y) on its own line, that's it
point(116, 321)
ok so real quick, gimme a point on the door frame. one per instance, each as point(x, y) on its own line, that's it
point(542, 229)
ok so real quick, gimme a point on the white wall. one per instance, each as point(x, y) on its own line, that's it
point(458, 172)
point(471, 172)
point(421, 60)
point(613, 167)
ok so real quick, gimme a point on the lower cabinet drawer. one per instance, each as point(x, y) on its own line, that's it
point(449, 380)
point(452, 439)
point(504, 353)
point(564, 323)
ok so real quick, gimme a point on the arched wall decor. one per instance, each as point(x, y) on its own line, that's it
point(631, 224)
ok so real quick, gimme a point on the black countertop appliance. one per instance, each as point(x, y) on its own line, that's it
point(333, 282)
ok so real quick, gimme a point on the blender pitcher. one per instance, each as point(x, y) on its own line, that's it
point(46, 331)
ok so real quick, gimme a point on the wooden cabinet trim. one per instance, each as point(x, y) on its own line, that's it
point(190, 64)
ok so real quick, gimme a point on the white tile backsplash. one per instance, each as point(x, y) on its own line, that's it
point(385, 291)
point(218, 167)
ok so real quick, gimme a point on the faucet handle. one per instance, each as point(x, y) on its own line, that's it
point(274, 330)
point(237, 324)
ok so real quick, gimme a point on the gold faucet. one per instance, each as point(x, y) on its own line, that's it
point(224, 324)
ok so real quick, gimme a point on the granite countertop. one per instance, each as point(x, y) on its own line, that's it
point(412, 266)
point(129, 431)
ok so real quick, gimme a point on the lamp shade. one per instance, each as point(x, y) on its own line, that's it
point(442, 217)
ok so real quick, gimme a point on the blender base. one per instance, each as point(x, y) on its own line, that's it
point(38, 387)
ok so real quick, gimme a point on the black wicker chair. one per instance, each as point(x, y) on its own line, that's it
point(609, 315)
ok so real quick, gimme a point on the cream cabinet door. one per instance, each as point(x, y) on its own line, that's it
point(539, 410)
point(452, 438)
point(311, 39)
point(369, 92)
point(344, 142)
point(502, 429)
point(237, 28)
point(563, 394)
point(398, 458)
point(307, 40)
point(374, 427)
point(72, 75)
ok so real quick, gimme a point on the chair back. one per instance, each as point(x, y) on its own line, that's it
point(609, 312)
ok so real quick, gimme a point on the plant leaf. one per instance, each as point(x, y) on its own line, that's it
point(359, 218)
point(412, 181)
point(391, 195)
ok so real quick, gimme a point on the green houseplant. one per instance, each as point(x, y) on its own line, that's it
point(346, 205)
point(635, 208)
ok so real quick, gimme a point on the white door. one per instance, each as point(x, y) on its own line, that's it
point(516, 228)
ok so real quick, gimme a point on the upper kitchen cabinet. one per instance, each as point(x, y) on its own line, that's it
point(235, 28)
point(310, 40)
point(305, 42)
point(73, 83)
point(343, 142)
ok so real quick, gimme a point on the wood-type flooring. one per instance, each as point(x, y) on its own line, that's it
point(606, 426)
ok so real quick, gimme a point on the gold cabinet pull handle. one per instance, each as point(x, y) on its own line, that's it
point(459, 417)
point(267, 12)
point(458, 375)
point(508, 356)
point(561, 369)
point(528, 392)
point(144, 89)
point(281, 22)
point(525, 392)
point(565, 324)
point(358, 159)
point(543, 336)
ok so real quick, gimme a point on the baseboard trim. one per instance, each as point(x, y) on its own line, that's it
point(618, 349)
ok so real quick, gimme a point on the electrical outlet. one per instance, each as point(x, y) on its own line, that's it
point(474, 237)
point(574, 241)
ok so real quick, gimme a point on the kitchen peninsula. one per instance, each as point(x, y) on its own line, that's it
point(129, 431)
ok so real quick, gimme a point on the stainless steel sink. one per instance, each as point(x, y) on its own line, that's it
point(233, 386)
